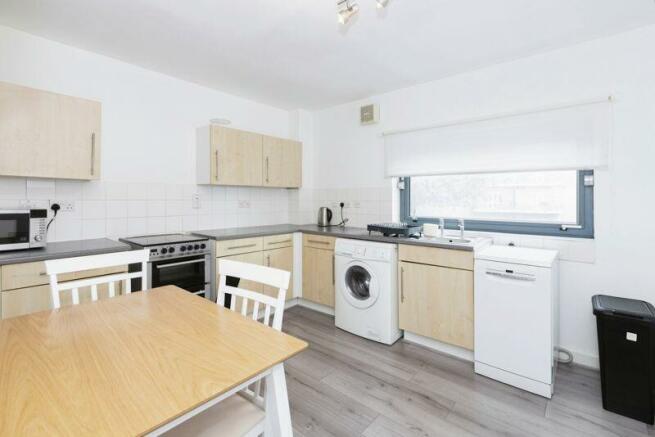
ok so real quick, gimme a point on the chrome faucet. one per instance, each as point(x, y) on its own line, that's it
point(460, 224)
point(442, 225)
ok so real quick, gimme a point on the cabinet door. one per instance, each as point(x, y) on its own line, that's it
point(318, 275)
point(29, 131)
point(282, 162)
point(280, 259)
point(44, 134)
point(437, 302)
point(79, 156)
point(33, 299)
point(236, 157)
point(250, 258)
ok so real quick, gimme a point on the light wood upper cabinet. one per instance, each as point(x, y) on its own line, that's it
point(49, 135)
point(282, 163)
point(237, 156)
point(436, 302)
point(318, 275)
point(227, 156)
point(280, 259)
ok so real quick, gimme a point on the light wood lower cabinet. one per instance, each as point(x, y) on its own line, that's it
point(280, 259)
point(256, 258)
point(437, 302)
point(30, 300)
point(26, 289)
point(318, 275)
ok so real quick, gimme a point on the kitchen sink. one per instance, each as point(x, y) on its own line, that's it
point(446, 240)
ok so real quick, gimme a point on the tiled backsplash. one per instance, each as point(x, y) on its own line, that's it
point(118, 209)
point(362, 205)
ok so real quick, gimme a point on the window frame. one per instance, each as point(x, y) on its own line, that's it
point(585, 229)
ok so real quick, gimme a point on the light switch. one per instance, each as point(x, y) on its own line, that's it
point(631, 336)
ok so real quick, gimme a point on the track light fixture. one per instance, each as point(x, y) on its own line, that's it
point(346, 9)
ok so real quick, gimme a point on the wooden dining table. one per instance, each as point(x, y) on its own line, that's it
point(136, 364)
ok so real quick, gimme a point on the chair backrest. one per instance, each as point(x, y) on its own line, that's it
point(264, 275)
point(70, 265)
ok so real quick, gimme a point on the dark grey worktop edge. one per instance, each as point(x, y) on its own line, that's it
point(332, 231)
point(63, 249)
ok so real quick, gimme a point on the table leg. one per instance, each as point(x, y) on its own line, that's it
point(278, 415)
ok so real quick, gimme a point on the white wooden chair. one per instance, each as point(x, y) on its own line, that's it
point(69, 265)
point(242, 414)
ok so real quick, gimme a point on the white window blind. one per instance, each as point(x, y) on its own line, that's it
point(575, 137)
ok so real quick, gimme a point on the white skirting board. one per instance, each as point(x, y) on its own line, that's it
point(311, 305)
point(439, 346)
point(527, 384)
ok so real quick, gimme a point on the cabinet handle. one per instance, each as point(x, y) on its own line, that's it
point(267, 169)
point(333, 267)
point(93, 153)
point(216, 160)
point(242, 247)
point(402, 288)
point(270, 243)
point(318, 242)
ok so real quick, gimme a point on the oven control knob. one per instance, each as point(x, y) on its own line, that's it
point(38, 238)
point(182, 248)
point(164, 251)
point(196, 247)
point(171, 249)
point(202, 246)
point(190, 247)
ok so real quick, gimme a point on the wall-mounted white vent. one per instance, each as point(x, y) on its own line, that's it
point(369, 114)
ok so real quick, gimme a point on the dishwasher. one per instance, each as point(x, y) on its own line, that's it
point(516, 316)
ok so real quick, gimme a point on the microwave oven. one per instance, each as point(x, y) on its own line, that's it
point(22, 229)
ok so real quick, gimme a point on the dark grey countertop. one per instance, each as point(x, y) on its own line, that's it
point(332, 231)
point(63, 249)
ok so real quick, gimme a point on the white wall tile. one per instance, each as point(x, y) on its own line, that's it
point(156, 208)
point(116, 208)
point(40, 189)
point(137, 226)
point(12, 188)
point(93, 190)
point(173, 224)
point(156, 225)
point(116, 227)
point(93, 209)
point(116, 190)
point(94, 228)
point(65, 189)
point(137, 208)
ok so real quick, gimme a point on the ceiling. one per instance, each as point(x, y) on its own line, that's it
point(293, 54)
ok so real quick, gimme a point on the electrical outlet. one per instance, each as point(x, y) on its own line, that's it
point(244, 204)
point(195, 201)
point(66, 206)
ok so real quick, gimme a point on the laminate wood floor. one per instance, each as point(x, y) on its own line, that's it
point(344, 385)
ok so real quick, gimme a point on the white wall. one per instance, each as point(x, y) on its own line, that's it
point(148, 145)
point(619, 260)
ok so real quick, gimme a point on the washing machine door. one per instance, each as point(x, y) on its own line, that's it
point(360, 285)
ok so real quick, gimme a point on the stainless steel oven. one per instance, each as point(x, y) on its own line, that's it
point(190, 273)
point(175, 259)
point(22, 228)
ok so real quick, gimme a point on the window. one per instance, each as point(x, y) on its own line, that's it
point(541, 203)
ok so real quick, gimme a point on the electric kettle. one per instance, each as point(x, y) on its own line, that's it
point(324, 216)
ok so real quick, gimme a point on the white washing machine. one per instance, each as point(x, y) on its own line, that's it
point(366, 300)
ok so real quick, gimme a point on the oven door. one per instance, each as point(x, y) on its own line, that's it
point(14, 230)
point(189, 273)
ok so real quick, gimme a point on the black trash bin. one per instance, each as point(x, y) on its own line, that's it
point(626, 343)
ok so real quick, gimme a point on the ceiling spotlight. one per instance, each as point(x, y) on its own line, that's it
point(381, 4)
point(347, 10)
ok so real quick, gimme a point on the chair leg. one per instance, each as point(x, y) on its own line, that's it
point(278, 415)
